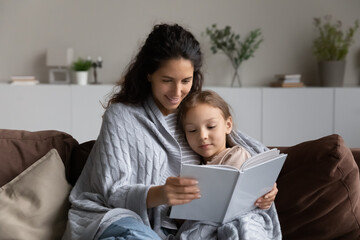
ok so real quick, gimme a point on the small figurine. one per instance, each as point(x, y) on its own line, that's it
point(95, 65)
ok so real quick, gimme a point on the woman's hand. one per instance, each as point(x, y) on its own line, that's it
point(265, 201)
point(177, 190)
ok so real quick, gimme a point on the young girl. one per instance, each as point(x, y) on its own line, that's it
point(206, 120)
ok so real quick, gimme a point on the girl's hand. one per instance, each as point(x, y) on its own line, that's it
point(177, 190)
point(265, 201)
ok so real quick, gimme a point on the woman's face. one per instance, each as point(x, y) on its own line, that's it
point(171, 83)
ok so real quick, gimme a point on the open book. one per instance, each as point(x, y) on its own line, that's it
point(227, 191)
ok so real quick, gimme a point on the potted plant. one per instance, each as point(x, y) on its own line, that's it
point(228, 42)
point(81, 67)
point(330, 49)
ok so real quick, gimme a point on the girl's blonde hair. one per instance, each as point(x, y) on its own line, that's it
point(202, 97)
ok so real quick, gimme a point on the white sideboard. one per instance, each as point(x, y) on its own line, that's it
point(35, 107)
point(74, 109)
point(275, 116)
point(296, 115)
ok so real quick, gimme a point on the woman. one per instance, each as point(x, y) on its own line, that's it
point(129, 180)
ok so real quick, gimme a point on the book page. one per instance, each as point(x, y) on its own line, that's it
point(260, 158)
point(252, 184)
point(216, 183)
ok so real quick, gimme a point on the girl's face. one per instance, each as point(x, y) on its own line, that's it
point(206, 129)
point(171, 83)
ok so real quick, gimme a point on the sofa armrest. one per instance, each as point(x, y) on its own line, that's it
point(318, 186)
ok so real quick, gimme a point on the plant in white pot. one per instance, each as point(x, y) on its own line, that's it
point(228, 42)
point(81, 68)
point(331, 48)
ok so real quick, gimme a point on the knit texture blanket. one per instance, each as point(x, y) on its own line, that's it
point(133, 152)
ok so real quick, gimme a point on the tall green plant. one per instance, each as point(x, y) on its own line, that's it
point(226, 41)
point(333, 42)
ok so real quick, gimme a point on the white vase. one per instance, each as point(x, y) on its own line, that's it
point(82, 77)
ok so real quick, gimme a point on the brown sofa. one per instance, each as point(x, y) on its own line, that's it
point(319, 186)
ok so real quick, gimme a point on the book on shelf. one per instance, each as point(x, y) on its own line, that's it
point(23, 80)
point(287, 84)
point(227, 191)
point(289, 78)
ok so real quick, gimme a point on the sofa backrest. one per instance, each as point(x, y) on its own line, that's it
point(20, 149)
point(355, 152)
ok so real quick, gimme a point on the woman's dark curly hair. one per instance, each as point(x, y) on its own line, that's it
point(165, 42)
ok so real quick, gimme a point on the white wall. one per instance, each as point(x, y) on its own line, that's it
point(114, 29)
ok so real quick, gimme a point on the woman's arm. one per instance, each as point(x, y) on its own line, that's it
point(265, 201)
point(175, 191)
point(112, 173)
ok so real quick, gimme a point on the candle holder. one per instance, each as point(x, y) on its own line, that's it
point(95, 65)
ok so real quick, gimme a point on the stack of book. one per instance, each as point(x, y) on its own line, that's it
point(288, 80)
point(23, 80)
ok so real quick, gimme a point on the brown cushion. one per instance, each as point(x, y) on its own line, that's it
point(319, 191)
point(34, 205)
point(19, 149)
point(356, 153)
point(79, 156)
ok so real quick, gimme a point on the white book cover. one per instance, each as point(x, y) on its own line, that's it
point(288, 75)
point(15, 78)
point(291, 80)
point(288, 78)
point(227, 191)
point(32, 82)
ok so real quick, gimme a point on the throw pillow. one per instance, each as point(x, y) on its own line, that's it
point(34, 204)
point(79, 157)
point(319, 191)
point(356, 153)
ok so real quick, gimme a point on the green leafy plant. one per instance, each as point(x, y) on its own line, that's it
point(228, 42)
point(333, 42)
point(81, 65)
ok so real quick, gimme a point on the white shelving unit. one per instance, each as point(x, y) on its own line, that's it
point(347, 115)
point(291, 116)
point(246, 107)
point(275, 116)
point(87, 110)
point(33, 108)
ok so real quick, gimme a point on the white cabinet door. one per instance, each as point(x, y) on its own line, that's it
point(275, 116)
point(87, 110)
point(246, 107)
point(347, 115)
point(35, 108)
point(291, 116)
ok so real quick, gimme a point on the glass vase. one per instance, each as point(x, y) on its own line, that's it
point(236, 77)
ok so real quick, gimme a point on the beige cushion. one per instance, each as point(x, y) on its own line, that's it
point(34, 204)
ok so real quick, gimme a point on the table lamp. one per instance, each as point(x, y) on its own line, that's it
point(59, 60)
